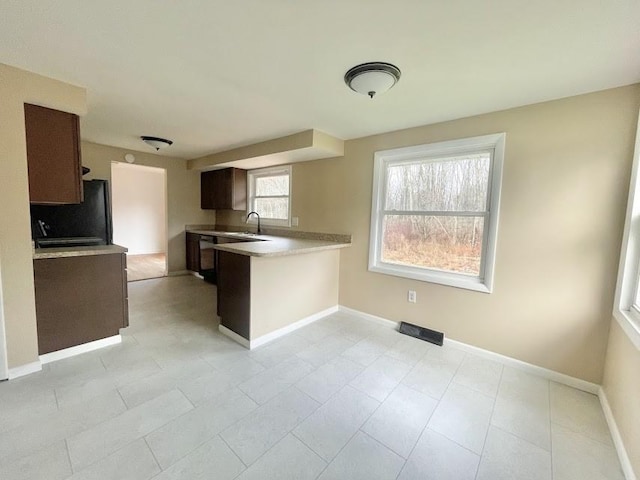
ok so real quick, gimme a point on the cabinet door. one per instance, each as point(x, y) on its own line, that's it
point(207, 187)
point(193, 252)
point(234, 292)
point(215, 190)
point(125, 293)
point(224, 189)
point(239, 190)
point(79, 300)
point(53, 156)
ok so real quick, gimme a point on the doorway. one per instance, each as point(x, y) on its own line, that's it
point(139, 209)
point(4, 367)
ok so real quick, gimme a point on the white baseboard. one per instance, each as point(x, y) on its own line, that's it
point(503, 359)
point(234, 336)
point(78, 349)
point(379, 320)
point(625, 463)
point(527, 367)
point(269, 337)
point(25, 369)
point(178, 273)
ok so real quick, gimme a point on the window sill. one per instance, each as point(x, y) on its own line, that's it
point(630, 326)
point(451, 280)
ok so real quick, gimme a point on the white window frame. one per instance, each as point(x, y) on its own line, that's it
point(624, 311)
point(484, 282)
point(251, 183)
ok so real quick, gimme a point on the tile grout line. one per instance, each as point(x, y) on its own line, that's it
point(493, 409)
point(386, 446)
point(347, 442)
point(404, 460)
point(280, 439)
point(425, 428)
point(132, 441)
point(66, 444)
point(55, 395)
point(449, 384)
point(95, 462)
point(583, 435)
point(126, 405)
point(235, 455)
point(210, 438)
point(152, 453)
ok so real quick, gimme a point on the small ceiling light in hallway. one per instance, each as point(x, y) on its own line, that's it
point(156, 142)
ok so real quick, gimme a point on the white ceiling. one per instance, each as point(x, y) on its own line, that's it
point(217, 74)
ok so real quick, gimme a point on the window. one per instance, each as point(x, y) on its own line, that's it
point(270, 195)
point(627, 299)
point(434, 215)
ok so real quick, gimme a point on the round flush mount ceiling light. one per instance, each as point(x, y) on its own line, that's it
point(130, 158)
point(156, 142)
point(372, 78)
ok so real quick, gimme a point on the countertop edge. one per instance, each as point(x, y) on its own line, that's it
point(280, 253)
point(66, 252)
point(275, 235)
point(267, 245)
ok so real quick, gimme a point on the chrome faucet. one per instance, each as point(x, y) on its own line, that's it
point(256, 214)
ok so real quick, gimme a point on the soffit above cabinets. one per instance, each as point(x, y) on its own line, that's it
point(299, 147)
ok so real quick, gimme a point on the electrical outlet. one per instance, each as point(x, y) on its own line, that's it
point(294, 221)
point(411, 297)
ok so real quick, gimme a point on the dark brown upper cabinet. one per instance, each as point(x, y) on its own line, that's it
point(53, 156)
point(224, 189)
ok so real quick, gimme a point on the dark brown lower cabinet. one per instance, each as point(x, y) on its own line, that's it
point(193, 251)
point(234, 299)
point(80, 299)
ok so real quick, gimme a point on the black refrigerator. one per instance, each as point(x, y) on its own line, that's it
point(86, 223)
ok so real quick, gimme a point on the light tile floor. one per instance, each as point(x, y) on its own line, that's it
point(340, 399)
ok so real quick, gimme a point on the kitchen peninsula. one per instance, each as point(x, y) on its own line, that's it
point(269, 285)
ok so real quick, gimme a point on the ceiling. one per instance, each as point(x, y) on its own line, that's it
point(213, 75)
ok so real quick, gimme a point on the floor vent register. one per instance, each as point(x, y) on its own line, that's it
point(422, 333)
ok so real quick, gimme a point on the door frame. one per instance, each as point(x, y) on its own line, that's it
point(4, 365)
point(165, 175)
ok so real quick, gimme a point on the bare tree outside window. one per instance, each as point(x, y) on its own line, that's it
point(269, 194)
point(434, 211)
point(440, 207)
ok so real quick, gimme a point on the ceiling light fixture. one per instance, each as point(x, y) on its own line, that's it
point(156, 142)
point(372, 78)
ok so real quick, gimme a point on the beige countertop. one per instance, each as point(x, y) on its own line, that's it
point(273, 246)
point(62, 252)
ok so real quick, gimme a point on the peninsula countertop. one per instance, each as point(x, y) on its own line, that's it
point(274, 245)
point(75, 251)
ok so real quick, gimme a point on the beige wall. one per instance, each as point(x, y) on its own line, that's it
point(16, 265)
point(290, 288)
point(621, 384)
point(139, 205)
point(183, 192)
point(566, 177)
